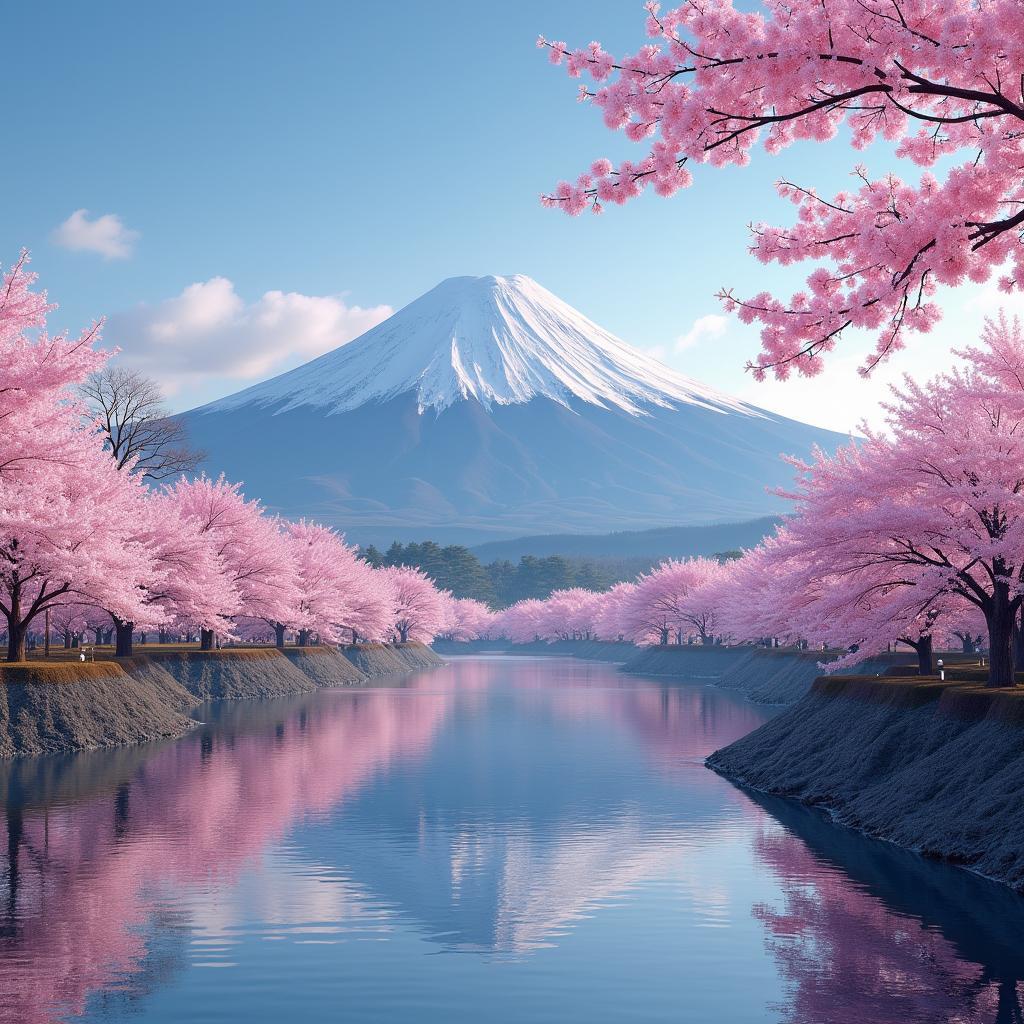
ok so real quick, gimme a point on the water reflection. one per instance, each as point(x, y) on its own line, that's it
point(93, 841)
point(869, 932)
point(551, 821)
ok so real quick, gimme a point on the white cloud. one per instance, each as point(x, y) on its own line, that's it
point(210, 337)
point(106, 235)
point(714, 325)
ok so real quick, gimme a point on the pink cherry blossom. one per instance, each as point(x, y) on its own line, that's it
point(941, 80)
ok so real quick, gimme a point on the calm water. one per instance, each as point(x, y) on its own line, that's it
point(503, 840)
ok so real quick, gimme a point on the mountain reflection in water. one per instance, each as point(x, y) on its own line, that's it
point(549, 822)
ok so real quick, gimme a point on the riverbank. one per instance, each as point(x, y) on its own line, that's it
point(46, 709)
point(614, 652)
point(67, 706)
point(764, 675)
point(934, 767)
point(374, 661)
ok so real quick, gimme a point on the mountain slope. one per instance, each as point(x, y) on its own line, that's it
point(500, 340)
point(489, 409)
point(655, 544)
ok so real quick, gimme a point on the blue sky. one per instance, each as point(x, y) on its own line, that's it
point(346, 157)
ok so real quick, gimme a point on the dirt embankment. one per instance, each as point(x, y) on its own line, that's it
point(376, 660)
point(935, 767)
point(68, 706)
point(764, 675)
point(235, 673)
point(46, 709)
point(444, 647)
point(324, 666)
point(417, 656)
point(704, 662)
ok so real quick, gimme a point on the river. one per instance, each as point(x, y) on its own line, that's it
point(498, 840)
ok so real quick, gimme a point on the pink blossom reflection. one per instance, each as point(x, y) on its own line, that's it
point(79, 878)
point(851, 959)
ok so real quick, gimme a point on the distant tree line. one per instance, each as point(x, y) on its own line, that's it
point(504, 582)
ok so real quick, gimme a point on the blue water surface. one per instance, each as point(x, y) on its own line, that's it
point(500, 840)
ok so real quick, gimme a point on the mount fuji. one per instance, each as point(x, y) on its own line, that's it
point(488, 408)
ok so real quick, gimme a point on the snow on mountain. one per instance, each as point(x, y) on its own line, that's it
point(489, 409)
point(499, 340)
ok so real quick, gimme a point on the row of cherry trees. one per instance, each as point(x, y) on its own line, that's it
point(912, 535)
point(84, 538)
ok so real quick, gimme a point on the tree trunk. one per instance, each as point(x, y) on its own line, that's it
point(16, 633)
point(664, 638)
point(206, 639)
point(98, 630)
point(142, 638)
point(925, 666)
point(67, 639)
point(303, 638)
point(355, 638)
point(123, 632)
point(1017, 642)
point(278, 634)
point(162, 636)
point(999, 618)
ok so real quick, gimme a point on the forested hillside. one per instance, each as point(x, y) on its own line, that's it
point(503, 582)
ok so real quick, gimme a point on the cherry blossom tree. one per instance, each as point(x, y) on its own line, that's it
point(465, 618)
point(419, 606)
point(64, 509)
point(371, 608)
point(330, 580)
point(524, 621)
point(571, 614)
point(185, 579)
point(609, 622)
point(937, 79)
point(70, 622)
point(253, 551)
point(668, 603)
point(934, 508)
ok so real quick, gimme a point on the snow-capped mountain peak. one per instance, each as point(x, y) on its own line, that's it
point(498, 340)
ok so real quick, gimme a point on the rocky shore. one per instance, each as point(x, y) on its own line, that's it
point(63, 707)
point(934, 767)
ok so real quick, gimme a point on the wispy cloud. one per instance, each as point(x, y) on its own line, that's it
point(209, 335)
point(714, 325)
point(106, 235)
